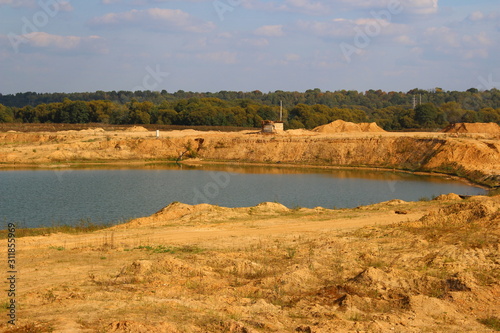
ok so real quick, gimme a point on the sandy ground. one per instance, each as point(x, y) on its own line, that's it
point(268, 269)
point(398, 266)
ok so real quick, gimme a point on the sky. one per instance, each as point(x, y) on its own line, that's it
point(246, 45)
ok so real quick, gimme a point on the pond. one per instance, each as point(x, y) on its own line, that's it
point(34, 198)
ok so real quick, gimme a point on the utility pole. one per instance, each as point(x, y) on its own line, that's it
point(281, 111)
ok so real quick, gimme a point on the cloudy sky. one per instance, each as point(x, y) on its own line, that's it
point(244, 45)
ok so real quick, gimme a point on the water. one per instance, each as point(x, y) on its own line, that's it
point(36, 198)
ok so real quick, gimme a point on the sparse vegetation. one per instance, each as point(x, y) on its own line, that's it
point(82, 227)
point(491, 322)
point(169, 249)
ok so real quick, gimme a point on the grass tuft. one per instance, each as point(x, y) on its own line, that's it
point(82, 227)
point(491, 322)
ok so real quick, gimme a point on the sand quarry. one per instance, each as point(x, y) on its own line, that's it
point(427, 266)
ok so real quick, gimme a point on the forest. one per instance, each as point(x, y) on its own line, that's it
point(415, 109)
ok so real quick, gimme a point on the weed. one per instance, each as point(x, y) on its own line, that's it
point(168, 249)
point(49, 296)
point(83, 227)
point(58, 248)
point(291, 252)
point(356, 316)
point(491, 322)
point(32, 328)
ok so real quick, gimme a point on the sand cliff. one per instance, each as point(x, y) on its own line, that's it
point(475, 157)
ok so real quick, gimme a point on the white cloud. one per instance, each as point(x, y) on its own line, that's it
point(443, 36)
point(292, 57)
point(422, 7)
point(342, 28)
point(450, 42)
point(155, 18)
point(478, 16)
point(307, 6)
point(65, 6)
point(256, 42)
point(57, 5)
point(479, 40)
point(311, 7)
point(18, 3)
point(56, 43)
point(405, 40)
point(327, 7)
point(270, 31)
point(224, 57)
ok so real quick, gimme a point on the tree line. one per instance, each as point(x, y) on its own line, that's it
point(392, 111)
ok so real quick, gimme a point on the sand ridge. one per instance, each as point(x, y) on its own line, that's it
point(340, 126)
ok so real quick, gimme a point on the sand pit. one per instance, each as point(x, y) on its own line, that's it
point(340, 126)
point(485, 128)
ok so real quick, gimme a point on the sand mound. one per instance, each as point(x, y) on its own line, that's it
point(488, 128)
point(448, 197)
point(91, 130)
point(180, 213)
point(269, 207)
point(459, 214)
point(172, 212)
point(371, 127)
point(340, 126)
point(136, 129)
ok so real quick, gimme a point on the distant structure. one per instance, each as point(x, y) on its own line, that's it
point(269, 126)
point(415, 101)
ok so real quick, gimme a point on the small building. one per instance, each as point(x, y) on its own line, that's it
point(279, 127)
point(268, 127)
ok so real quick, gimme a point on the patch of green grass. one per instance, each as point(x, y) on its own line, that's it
point(493, 192)
point(491, 322)
point(170, 249)
point(291, 252)
point(83, 227)
point(58, 248)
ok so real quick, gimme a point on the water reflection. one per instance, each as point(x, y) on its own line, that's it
point(41, 197)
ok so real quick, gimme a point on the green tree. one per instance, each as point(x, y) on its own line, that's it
point(470, 117)
point(6, 114)
point(426, 115)
point(139, 113)
point(76, 112)
point(453, 112)
point(489, 115)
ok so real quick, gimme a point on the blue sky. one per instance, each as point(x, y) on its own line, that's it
point(245, 45)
